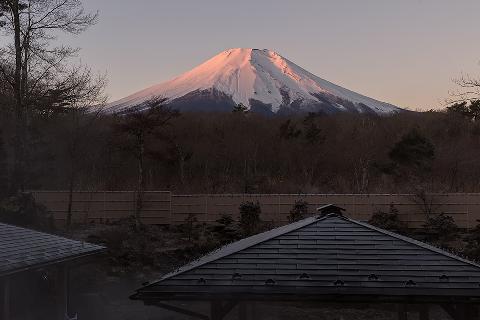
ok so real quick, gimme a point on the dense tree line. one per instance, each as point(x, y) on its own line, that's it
point(238, 152)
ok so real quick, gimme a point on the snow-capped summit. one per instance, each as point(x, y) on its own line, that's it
point(262, 80)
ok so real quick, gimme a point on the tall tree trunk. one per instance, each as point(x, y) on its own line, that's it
point(72, 174)
point(24, 154)
point(18, 181)
point(182, 156)
point(182, 169)
point(140, 181)
point(71, 184)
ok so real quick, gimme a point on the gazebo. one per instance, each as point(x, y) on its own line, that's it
point(325, 258)
point(27, 255)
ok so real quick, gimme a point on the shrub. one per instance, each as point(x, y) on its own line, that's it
point(472, 243)
point(388, 220)
point(441, 230)
point(250, 217)
point(225, 231)
point(299, 211)
point(22, 210)
point(414, 151)
point(129, 247)
point(190, 228)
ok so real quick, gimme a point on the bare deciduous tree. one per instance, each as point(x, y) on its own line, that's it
point(36, 69)
point(469, 89)
point(138, 126)
point(85, 93)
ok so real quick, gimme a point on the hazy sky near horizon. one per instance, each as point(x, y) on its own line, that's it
point(403, 52)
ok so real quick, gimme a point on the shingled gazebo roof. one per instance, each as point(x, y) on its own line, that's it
point(22, 249)
point(329, 256)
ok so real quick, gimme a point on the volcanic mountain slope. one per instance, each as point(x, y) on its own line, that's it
point(262, 80)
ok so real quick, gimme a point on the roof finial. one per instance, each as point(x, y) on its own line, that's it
point(330, 209)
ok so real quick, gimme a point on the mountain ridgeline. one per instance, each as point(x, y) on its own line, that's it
point(261, 80)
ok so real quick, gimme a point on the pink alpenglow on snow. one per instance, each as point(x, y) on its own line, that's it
point(261, 80)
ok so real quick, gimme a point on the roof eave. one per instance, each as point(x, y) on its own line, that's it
point(334, 294)
point(52, 262)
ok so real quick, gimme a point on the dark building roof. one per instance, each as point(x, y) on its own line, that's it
point(329, 256)
point(22, 249)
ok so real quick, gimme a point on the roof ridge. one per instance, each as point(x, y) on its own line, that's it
point(413, 241)
point(242, 244)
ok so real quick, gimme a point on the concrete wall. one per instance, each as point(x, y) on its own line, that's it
point(163, 207)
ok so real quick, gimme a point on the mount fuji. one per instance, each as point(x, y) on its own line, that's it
point(262, 80)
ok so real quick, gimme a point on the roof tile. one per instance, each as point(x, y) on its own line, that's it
point(22, 248)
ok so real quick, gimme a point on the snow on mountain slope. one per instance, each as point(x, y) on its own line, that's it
point(255, 77)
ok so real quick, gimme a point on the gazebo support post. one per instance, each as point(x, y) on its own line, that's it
point(6, 299)
point(253, 309)
point(402, 311)
point(242, 310)
point(424, 312)
point(471, 312)
point(216, 310)
point(62, 292)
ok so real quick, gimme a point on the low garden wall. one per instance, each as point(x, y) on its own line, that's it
point(163, 207)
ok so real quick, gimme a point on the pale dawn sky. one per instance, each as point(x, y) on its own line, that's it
point(403, 52)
